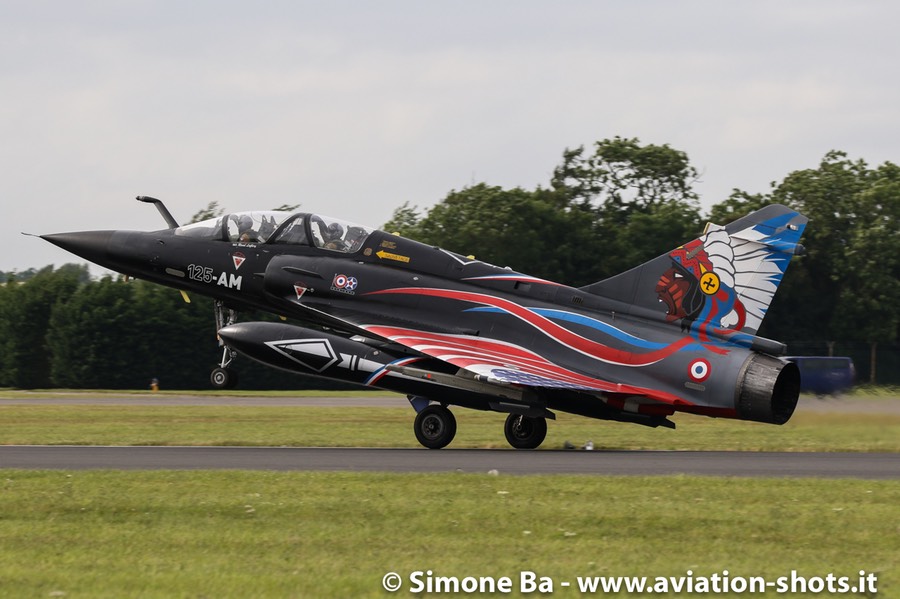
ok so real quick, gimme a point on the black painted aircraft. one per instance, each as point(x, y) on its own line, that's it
point(677, 333)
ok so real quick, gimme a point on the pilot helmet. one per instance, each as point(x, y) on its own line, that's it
point(335, 231)
point(245, 223)
point(355, 233)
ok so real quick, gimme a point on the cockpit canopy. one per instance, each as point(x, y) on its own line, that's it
point(273, 227)
point(251, 227)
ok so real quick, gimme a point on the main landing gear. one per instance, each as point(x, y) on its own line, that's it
point(435, 427)
point(525, 432)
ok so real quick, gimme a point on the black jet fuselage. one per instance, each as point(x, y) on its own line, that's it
point(674, 334)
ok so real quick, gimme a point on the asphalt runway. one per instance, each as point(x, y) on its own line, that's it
point(843, 405)
point(503, 461)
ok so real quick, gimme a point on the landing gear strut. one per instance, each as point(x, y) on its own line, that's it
point(224, 377)
point(435, 426)
point(525, 432)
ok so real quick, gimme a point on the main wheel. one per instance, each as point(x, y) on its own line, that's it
point(435, 426)
point(223, 378)
point(525, 432)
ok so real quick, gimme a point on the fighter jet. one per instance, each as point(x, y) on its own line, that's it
point(676, 334)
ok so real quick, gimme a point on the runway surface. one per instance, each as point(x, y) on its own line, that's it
point(843, 405)
point(647, 463)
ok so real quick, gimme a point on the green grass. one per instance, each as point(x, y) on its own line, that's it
point(392, 427)
point(268, 534)
point(8, 393)
point(271, 534)
point(874, 391)
point(865, 392)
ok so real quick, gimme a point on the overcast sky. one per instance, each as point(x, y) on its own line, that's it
point(352, 108)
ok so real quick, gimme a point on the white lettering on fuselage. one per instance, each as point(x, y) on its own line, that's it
point(229, 280)
point(205, 274)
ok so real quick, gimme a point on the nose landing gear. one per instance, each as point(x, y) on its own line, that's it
point(224, 377)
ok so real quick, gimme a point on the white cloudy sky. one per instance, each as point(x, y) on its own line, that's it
point(351, 108)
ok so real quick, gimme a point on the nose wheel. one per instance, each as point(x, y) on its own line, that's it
point(435, 426)
point(223, 378)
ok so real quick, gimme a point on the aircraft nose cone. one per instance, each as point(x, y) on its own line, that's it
point(90, 245)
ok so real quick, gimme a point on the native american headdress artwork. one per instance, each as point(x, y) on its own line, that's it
point(724, 281)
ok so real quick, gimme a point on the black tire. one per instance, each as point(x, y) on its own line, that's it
point(435, 427)
point(525, 432)
point(223, 378)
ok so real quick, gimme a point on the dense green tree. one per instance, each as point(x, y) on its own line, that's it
point(517, 228)
point(120, 335)
point(403, 221)
point(602, 214)
point(845, 288)
point(87, 332)
point(212, 210)
point(176, 338)
point(17, 277)
point(8, 315)
point(738, 204)
point(647, 234)
point(867, 308)
point(623, 175)
point(25, 359)
point(525, 230)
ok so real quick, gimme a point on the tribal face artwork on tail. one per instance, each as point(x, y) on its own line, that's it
point(723, 283)
point(699, 287)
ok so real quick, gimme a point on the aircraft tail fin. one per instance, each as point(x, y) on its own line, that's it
point(722, 281)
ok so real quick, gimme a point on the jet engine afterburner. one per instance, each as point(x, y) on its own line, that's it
point(767, 390)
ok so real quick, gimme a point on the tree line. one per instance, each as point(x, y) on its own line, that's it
point(60, 329)
point(605, 209)
point(621, 203)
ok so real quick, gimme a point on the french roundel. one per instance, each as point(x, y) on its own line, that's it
point(699, 370)
point(340, 281)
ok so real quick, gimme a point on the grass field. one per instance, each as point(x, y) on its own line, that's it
point(8, 393)
point(271, 534)
point(265, 534)
point(858, 392)
point(392, 427)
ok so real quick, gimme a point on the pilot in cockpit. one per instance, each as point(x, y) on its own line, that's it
point(355, 238)
point(245, 229)
point(333, 234)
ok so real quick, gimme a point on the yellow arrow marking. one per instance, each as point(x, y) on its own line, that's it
point(389, 256)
